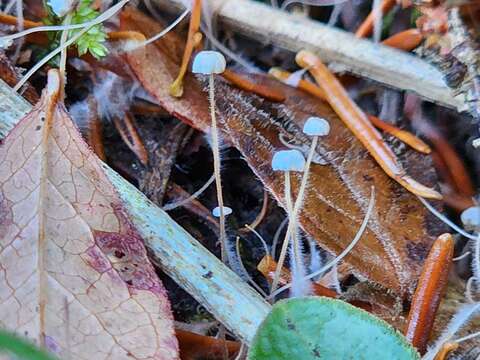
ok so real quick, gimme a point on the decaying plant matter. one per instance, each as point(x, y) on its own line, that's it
point(361, 205)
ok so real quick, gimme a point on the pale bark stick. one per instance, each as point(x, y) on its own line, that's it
point(389, 66)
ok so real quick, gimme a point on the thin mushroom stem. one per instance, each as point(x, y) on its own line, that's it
point(216, 166)
point(303, 184)
point(293, 213)
point(286, 241)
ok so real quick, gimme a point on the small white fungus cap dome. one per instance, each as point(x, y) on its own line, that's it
point(471, 218)
point(226, 211)
point(316, 126)
point(209, 62)
point(288, 160)
point(60, 7)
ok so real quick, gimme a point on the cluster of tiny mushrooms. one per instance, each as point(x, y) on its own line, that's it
point(424, 305)
point(328, 88)
point(211, 63)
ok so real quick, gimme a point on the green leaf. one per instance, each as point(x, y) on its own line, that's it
point(315, 328)
point(92, 41)
point(21, 348)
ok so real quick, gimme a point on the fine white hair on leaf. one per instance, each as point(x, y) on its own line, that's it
point(114, 95)
point(81, 114)
point(460, 319)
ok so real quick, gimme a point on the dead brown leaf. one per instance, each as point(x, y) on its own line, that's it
point(400, 231)
point(74, 274)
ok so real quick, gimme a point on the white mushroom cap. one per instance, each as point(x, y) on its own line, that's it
point(288, 160)
point(316, 126)
point(226, 211)
point(61, 7)
point(471, 218)
point(209, 62)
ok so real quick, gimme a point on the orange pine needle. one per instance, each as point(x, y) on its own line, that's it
point(259, 89)
point(176, 88)
point(403, 135)
point(194, 346)
point(126, 35)
point(430, 289)
point(406, 136)
point(447, 348)
point(94, 132)
point(366, 28)
point(131, 138)
point(267, 266)
point(12, 20)
point(405, 40)
point(454, 164)
point(356, 120)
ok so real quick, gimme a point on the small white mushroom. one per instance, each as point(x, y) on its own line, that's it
point(316, 126)
point(211, 63)
point(471, 218)
point(61, 7)
point(288, 160)
point(226, 211)
point(208, 63)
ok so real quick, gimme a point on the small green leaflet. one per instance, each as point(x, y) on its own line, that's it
point(318, 328)
point(92, 41)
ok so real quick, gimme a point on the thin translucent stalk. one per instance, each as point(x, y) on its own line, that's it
point(292, 214)
point(344, 253)
point(63, 53)
point(217, 166)
point(445, 219)
point(286, 241)
point(166, 30)
point(196, 194)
